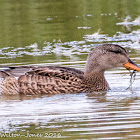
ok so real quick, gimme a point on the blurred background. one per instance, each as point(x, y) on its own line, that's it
point(33, 31)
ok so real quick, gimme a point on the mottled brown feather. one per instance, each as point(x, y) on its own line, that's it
point(50, 79)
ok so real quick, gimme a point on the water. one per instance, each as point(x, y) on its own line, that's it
point(63, 33)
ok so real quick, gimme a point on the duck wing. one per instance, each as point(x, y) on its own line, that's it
point(51, 79)
point(17, 71)
point(21, 70)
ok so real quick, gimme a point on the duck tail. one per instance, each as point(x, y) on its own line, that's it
point(8, 84)
point(4, 74)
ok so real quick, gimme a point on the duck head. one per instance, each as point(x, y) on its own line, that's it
point(108, 56)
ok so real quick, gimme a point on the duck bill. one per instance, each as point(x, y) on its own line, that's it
point(130, 65)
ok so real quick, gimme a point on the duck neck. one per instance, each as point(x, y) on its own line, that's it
point(97, 80)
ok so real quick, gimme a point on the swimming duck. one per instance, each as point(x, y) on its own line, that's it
point(56, 80)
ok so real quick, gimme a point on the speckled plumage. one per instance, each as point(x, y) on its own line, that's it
point(57, 80)
point(52, 80)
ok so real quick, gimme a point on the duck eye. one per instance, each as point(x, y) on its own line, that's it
point(116, 51)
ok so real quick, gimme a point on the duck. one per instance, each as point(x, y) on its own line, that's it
point(56, 79)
